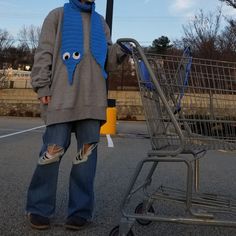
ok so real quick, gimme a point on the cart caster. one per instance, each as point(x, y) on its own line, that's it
point(115, 232)
point(139, 210)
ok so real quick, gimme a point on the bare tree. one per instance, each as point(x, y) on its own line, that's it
point(231, 3)
point(29, 36)
point(201, 33)
point(227, 42)
point(6, 40)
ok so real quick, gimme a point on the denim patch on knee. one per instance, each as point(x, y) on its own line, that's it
point(82, 155)
point(53, 154)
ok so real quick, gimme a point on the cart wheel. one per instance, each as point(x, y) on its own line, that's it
point(115, 232)
point(139, 210)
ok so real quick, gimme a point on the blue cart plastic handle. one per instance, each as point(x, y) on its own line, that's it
point(126, 47)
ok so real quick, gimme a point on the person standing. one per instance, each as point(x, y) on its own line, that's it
point(69, 76)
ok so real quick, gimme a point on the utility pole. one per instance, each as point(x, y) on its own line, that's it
point(109, 18)
point(109, 13)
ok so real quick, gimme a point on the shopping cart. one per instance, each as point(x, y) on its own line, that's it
point(190, 108)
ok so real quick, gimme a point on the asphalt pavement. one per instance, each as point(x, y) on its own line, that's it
point(18, 158)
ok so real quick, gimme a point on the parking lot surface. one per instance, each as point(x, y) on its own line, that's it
point(20, 140)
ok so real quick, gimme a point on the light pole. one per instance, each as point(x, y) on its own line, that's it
point(109, 13)
point(110, 126)
point(109, 18)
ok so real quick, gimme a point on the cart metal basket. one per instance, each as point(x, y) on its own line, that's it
point(190, 108)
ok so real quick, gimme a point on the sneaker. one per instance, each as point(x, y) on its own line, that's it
point(76, 223)
point(46, 158)
point(39, 222)
point(82, 157)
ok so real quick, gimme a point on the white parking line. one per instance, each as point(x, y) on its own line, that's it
point(21, 132)
point(109, 140)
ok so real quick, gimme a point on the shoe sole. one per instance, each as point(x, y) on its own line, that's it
point(40, 227)
point(73, 227)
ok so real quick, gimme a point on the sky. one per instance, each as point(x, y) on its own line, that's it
point(144, 20)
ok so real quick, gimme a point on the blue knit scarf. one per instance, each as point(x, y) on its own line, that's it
point(72, 48)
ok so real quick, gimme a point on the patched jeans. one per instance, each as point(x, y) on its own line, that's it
point(41, 198)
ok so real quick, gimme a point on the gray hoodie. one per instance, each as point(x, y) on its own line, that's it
point(86, 98)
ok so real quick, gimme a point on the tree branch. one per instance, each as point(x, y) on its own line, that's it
point(231, 3)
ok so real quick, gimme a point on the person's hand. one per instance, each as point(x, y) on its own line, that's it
point(45, 100)
point(126, 48)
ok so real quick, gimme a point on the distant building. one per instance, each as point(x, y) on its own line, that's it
point(17, 78)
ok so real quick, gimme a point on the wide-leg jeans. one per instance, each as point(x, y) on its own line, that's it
point(41, 197)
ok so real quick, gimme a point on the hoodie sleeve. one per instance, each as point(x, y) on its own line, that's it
point(115, 54)
point(41, 71)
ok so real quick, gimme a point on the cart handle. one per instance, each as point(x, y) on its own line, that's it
point(163, 99)
point(125, 47)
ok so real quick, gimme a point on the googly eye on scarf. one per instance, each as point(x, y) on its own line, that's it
point(76, 55)
point(66, 56)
